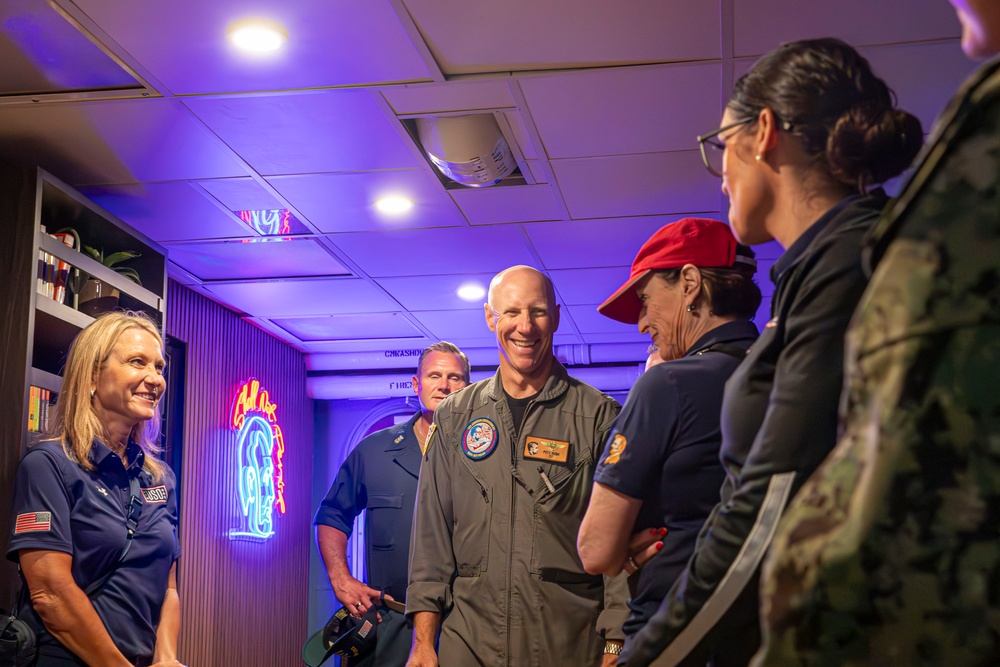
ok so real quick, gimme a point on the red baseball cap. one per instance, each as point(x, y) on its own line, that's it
point(699, 241)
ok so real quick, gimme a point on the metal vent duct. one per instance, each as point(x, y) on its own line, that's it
point(470, 150)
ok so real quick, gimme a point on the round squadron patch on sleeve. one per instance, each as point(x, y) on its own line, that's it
point(480, 438)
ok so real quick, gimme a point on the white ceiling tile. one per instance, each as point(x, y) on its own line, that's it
point(593, 243)
point(345, 202)
point(183, 43)
point(260, 259)
point(240, 194)
point(630, 185)
point(639, 109)
point(502, 204)
point(429, 252)
point(469, 95)
point(761, 25)
point(588, 286)
point(518, 35)
point(302, 133)
point(451, 324)
point(173, 211)
point(297, 298)
point(371, 326)
point(119, 142)
point(435, 292)
point(589, 321)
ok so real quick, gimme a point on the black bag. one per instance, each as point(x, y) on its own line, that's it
point(17, 643)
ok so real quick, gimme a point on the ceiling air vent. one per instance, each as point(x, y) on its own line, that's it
point(470, 150)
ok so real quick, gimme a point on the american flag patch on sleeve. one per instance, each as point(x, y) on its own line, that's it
point(33, 522)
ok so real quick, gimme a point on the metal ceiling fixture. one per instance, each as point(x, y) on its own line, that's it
point(470, 150)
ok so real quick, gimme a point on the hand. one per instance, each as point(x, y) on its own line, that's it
point(167, 663)
point(642, 547)
point(355, 595)
point(610, 660)
point(422, 655)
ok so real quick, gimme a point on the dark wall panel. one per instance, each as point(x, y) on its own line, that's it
point(243, 602)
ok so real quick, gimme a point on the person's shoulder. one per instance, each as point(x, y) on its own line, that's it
point(854, 221)
point(383, 437)
point(590, 394)
point(462, 401)
point(47, 450)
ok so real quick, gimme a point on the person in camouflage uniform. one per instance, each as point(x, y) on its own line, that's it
point(890, 554)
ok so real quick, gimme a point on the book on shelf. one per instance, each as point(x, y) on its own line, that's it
point(62, 268)
point(40, 409)
point(33, 409)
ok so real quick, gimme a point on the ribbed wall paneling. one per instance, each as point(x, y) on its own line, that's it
point(242, 603)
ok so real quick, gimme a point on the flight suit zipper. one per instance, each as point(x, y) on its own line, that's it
point(515, 480)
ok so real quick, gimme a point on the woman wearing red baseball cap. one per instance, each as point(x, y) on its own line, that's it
point(807, 133)
point(691, 289)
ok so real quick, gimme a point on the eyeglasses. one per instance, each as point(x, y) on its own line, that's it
point(712, 148)
point(712, 156)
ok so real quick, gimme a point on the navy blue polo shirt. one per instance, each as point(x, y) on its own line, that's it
point(380, 476)
point(59, 506)
point(664, 450)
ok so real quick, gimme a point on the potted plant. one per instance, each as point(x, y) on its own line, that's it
point(96, 297)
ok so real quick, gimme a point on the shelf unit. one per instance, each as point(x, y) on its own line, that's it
point(35, 330)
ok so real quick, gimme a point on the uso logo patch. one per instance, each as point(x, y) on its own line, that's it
point(479, 439)
point(155, 494)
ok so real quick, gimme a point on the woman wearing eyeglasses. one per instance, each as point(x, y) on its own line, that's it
point(807, 134)
point(891, 548)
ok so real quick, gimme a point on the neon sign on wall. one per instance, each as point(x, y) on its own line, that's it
point(260, 448)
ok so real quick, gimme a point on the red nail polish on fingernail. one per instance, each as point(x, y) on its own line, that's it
point(663, 531)
point(659, 545)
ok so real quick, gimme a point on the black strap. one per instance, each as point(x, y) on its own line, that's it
point(132, 512)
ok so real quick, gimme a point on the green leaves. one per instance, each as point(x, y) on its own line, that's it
point(115, 258)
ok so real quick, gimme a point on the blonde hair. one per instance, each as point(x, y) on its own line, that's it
point(76, 424)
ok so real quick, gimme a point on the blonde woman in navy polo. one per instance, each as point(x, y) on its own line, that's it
point(77, 493)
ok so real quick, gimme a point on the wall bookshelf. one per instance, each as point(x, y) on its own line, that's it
point(39, 322)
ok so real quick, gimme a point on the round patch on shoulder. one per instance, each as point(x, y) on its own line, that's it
point(480, 438)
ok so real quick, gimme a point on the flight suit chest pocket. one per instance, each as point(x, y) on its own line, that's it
point(385, 524)
point(557, 516)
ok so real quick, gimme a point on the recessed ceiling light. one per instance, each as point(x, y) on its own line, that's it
point(471, 292)
point(394, 204)
point(257, 35)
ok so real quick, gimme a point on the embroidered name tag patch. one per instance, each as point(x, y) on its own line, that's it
point(545, 449)
point(480, 438)
point(617, 447)
point(33, 522)
point(155, 494)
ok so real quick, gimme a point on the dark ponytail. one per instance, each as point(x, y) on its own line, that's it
point(826, 92)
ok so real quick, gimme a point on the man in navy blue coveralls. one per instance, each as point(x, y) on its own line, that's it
point(380, 475)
